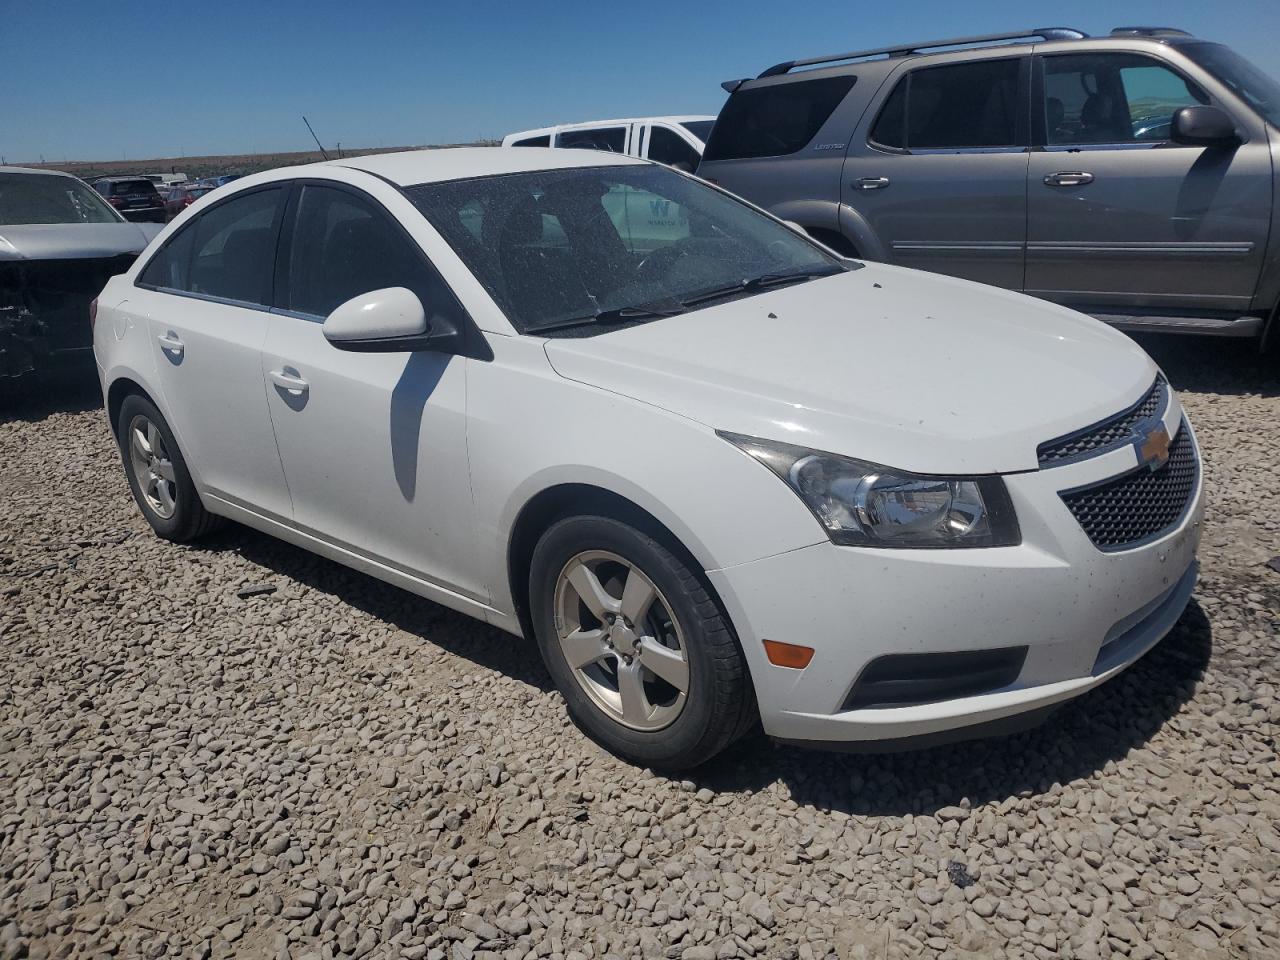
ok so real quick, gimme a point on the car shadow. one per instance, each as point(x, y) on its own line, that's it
point(1214, 364)
point(1080, 739)
point(459, 634)
point(32, 399)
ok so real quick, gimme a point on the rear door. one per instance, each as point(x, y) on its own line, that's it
point(206, 298)
point(1120, 216)
point(939, 173)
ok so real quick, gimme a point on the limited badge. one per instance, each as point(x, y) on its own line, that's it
point(1152, 444)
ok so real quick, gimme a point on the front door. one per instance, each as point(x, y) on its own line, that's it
point(1118, 215)
point(940, 177)
point(373, 444)
point(205, 297)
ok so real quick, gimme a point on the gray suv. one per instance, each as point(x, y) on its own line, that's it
point(1129, 176)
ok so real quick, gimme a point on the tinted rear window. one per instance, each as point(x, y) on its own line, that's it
point(774, 120)
point(543, 141)
point(123, 188)
point(952, 107)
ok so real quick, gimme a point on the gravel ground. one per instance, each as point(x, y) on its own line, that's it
point(339, 769)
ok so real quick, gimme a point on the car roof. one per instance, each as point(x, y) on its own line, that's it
point(47, 173)
point(459, 163)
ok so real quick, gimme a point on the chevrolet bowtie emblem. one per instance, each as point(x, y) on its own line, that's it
point(1152, 445)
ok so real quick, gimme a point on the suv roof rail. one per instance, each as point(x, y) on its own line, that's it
point(901, 50)
point(1149, 32)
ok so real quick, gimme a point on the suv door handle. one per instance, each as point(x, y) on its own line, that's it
point(1068, 178)
point(870, 183)
point(288, 379)
point(170, 343)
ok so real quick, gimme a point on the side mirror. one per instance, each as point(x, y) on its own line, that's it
point(1204, 127)
point(391, 320)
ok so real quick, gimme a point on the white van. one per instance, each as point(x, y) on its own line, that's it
point(675, 141)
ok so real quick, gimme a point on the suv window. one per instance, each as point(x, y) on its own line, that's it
point(126, 188)
point(227, 252)
point(667, 146)
point(542, 141)
point(777, 119)
point(952, 107)
point(1112, 98)
point(345, 245)
point(608, 139)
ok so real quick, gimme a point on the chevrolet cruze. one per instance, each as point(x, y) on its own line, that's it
point(723, 476)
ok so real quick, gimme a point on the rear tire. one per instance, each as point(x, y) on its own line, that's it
point(654, 612)
point(158, 475)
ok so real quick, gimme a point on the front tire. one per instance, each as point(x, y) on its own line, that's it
point(158, 475)
point(645, 660)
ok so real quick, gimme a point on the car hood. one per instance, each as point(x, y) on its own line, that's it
point(898, 367)
point(67, 241)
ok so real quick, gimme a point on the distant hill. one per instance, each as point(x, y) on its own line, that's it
point(197, 167)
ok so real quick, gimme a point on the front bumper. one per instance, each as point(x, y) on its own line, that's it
point(1083, 615)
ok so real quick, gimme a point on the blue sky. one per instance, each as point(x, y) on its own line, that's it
point(108, 80)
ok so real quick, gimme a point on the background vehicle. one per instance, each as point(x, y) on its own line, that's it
point(164, 181)
point(178, 198)
point(59, 243)
point(643, 456)
point(136, 198)
point(675, 141)
point(1141, 190)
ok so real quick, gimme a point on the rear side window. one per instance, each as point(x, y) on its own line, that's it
point(608, 139)
point(774, 120)
point(227, 252)
point(953, 107)
point(542, 141)
point(667, 146)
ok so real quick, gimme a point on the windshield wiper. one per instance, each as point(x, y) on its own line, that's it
point(643, 311)
point(753, 284)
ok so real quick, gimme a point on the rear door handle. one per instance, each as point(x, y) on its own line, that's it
point(170, 343)
point(870, 183)
point(1068, 178)
point(287, 379)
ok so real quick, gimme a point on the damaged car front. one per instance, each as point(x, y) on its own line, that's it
point(59, 244)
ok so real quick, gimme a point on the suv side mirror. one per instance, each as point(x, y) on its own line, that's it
point(391, 320)
point(1204, 127)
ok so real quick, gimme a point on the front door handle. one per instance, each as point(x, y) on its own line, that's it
point(1068, 178)
point(287, 379)
point(870, 183)
point(170, 343)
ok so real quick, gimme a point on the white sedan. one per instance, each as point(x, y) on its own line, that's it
point(723, 476)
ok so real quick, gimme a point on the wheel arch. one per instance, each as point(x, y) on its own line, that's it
point(584, 499)
point(120, 389)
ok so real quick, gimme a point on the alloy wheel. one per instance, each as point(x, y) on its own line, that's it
point(621, 640)
point(152, 467)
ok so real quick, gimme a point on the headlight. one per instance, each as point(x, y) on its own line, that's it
point(866, 505)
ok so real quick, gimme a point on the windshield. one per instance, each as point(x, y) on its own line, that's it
point(43, 198)
point(1246, 81)
point(600, 247)
point(699, 128)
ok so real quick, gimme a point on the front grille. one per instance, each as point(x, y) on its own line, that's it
point(1139, 505)
point(1109, 434)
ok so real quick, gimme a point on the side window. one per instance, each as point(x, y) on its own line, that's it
point(345, 245)
point(776, 119)
point(954, 107)
point(542, 141)
point(227, 252)
point(608, 139)
point(667, 146)
point(1112, 98)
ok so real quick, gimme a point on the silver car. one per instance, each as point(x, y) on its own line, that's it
point(1128, 176)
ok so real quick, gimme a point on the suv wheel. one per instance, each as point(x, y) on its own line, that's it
point(645, 660)
point(158, 475)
